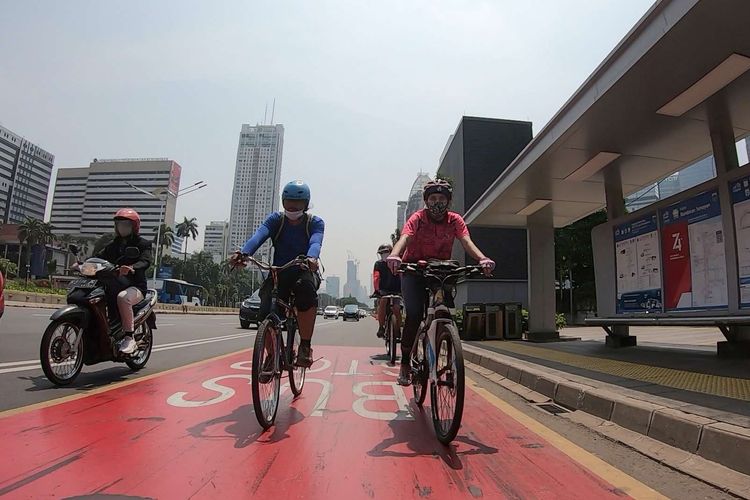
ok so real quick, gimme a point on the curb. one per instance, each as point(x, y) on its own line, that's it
point(721, 442)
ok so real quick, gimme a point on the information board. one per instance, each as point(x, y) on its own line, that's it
point(693, 255)
point(740, 190)
point(638, 266)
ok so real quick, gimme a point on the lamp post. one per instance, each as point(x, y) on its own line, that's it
point(162, 194)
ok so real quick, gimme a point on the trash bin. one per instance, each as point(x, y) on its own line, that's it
point(474, 321)
point(494, 321)
point(513, 319)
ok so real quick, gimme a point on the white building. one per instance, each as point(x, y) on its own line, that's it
point(216, 240)
point(416, 199)
point(257, 183)
point(25, 173)
point(85, 199)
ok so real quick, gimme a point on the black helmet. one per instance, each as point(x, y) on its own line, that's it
point(438, 186)
point(385, 247)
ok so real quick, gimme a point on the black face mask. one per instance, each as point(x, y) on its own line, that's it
point(437, 209)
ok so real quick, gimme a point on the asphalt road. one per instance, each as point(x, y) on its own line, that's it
point(179, 340)
point(353, 433)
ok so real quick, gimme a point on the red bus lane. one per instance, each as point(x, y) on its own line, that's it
point(352, 434)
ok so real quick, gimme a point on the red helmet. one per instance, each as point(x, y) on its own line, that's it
point(131, 215)
point(438, 186)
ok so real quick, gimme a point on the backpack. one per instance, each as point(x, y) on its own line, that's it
point(308, 222)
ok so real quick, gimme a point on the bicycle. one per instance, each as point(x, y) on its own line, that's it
point(271, 357)
point(437, 356)
point(392, 334)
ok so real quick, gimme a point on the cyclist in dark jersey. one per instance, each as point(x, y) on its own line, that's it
point(384, 282)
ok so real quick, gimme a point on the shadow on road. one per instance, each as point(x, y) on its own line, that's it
point(85, 381)
point(419, 438)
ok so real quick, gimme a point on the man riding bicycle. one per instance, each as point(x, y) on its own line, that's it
point(428, 234)
point(384, 282)
point(293, 232)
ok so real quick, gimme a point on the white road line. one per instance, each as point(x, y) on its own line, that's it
point(17, 363)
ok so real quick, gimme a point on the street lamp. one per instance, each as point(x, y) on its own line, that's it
point(158, 193)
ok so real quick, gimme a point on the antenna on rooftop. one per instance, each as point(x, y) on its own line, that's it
point(265, 113)
point(273, 110)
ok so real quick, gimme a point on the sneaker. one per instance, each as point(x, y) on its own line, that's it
point(304, 357)
point(127, 345)
point(381, 332)
point(404, 375)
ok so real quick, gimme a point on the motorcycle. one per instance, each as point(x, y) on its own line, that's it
point(82, 332)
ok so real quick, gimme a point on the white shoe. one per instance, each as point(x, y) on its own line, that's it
point(127, 345)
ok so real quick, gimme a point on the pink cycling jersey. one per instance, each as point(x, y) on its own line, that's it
point(430, 239)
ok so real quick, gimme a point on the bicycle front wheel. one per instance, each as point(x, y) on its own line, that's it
point(266, 374)
point(391, 336)
point(447, 395)
point(419, 369)
point(296, 373)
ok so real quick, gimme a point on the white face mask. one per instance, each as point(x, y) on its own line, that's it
point(294, 215)
point(384, 255)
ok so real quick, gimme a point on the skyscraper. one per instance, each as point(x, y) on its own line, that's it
point(415, 195)
point(216, 240)
point(85, 199)
point(257, 179)
point(25, 173)
point(333, 285)
point(400, 214)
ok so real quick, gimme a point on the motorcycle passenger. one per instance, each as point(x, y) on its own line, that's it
point(384, 282)
point(428, 234)
point(132, 270)
point(293, 232)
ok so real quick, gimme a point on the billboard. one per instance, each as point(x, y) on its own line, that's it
point(638, 265)
point(693, 255)
point(174, 178)
point(740, 190)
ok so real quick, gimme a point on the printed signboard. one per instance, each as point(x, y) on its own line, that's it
point(174, 178)
point(638, 266)
point(740, 190)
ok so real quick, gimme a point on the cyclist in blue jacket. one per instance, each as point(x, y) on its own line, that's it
point(293, 232)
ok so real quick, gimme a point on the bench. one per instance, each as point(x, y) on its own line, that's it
point(737, 343)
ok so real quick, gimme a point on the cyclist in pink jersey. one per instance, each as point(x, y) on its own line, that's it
point(428, 234)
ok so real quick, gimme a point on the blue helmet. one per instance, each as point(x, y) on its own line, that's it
point(296, 190)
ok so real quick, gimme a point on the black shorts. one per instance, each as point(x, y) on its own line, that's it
point(304, 284)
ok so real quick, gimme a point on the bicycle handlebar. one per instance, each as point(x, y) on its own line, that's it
point(416, 268)
point(299, 261)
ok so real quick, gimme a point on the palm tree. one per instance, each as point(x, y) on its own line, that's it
point(188, 228)
point(31, 231)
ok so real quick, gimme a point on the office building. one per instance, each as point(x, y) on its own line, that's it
point(353, 287)
point(177, 247)
point(257, 182)
point(415, 201)
point(85, 199)
point(400, 214)
point(216, 240)
point(333, 285)
point(25, 173)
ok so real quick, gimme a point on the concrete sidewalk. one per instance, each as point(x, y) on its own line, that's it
point(686, 398)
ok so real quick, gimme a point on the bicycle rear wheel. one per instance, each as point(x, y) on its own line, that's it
point(296, 373)
point(447, 395)
point(266, 374)
point(419, 369)
point(391, 336)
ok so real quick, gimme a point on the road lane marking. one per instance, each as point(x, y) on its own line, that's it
point(17, 363)
point(353, 370)
point(605, 471)
point(111, 387)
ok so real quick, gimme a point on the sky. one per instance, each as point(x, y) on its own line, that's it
point(368, 92)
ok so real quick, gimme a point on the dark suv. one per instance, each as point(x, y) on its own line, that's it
point(249, 311)
point(351, 311)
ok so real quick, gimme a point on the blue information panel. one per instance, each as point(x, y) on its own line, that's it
point(638, 266)
point(740, 190)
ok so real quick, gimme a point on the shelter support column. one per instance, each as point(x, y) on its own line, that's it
point(725, 158)
point(618, 335)
point(541, 251)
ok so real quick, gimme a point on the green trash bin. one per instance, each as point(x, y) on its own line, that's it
point(474, 322)
point(513, 317)
point(494, 321)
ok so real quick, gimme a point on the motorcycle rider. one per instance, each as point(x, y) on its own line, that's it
point(132, 270)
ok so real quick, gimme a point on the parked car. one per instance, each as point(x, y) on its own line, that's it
point(351, 311)
point(331, 312)
point(250, 311)
point(2, 299)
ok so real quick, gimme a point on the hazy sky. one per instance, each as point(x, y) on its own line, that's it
point(368, 92)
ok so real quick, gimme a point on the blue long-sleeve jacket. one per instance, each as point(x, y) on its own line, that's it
point(293, 240)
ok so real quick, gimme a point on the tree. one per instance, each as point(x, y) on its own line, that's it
point(8, 268)
point(166, 238)
point(188, 228)
point(31, 231)
point(574, 255)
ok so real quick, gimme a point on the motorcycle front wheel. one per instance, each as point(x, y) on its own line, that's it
point(61, 351)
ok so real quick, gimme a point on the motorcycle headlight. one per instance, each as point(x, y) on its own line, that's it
point(90, 269)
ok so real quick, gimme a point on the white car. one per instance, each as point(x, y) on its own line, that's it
point(331, 312)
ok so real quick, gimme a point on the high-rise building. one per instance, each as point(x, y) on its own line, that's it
point(257, 182)
point(333, 285)
point(177, 245)
point(216, 240)
point(400, 214)
point(85, 199)
point(25, 173)
point(416, 202)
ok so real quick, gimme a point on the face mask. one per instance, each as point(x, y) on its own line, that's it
point(294, 215)
point(438, 208)
point(123, 228)
point(384, 255)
